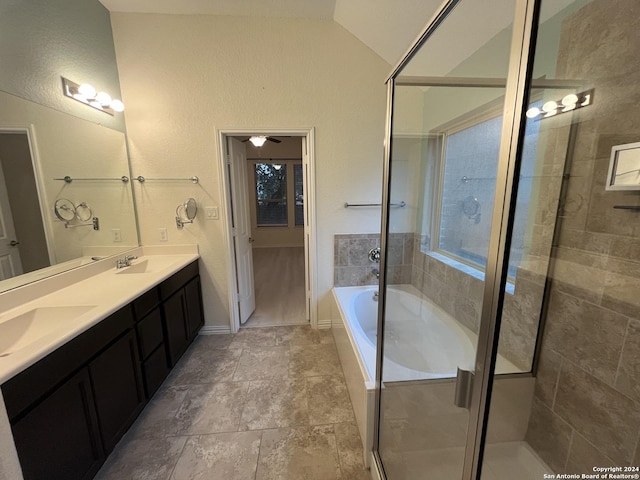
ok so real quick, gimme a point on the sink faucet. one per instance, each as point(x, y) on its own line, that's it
point(125, 261)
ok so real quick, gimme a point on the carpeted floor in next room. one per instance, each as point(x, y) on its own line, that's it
point(265, 403)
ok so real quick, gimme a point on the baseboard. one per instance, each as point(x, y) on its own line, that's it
point(324, 323)
point(214, 330)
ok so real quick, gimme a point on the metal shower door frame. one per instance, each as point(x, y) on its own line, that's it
point(511, 143)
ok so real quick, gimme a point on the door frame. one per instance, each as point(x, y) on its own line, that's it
point(30, 132)
point(310, 198)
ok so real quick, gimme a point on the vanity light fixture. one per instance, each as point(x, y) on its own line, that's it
point(88, 95)
point(258, 140)
point(570, 102)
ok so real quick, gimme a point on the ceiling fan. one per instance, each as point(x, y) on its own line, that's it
point(259, 140)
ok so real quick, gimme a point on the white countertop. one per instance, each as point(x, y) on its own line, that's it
point(102, 287)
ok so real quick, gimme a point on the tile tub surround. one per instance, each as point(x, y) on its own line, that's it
point(351, 265)
point(292, 419)
point(459, 291)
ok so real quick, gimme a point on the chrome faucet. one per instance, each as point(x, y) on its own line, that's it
point(376, 294)
point(125, 261)
point(376, 272)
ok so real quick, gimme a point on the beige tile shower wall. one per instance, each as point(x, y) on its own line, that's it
point(587, 399)
point(351, 259)
point(461, 294)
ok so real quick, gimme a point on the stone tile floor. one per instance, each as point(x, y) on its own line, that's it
point(265, 404)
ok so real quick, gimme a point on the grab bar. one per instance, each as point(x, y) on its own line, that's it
point(347, 205)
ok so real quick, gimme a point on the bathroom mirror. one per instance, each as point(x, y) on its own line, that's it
point(189, 209)
point(624, 167)
point(45, 137)
point(39, 147)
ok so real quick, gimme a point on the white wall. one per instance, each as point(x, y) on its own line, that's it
point(41, 40)
point(184, 76)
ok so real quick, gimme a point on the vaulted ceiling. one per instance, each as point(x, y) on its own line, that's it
point(388, 27)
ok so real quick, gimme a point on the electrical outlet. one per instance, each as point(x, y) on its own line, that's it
point(117, 235)
point(164, 236)
point(211, 213)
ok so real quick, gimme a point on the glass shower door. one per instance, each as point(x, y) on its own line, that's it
point(448, 122)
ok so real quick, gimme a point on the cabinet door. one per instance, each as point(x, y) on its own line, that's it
point(175, 317)
point(117, 388)
point(59, 439)
point(193, 297)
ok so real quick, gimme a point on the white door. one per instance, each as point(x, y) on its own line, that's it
point(307, 229)
point(237, 158)
point(10, 263)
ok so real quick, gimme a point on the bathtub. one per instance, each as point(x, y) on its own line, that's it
point(422, 342)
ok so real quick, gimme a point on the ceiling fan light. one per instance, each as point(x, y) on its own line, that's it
point(258, 140)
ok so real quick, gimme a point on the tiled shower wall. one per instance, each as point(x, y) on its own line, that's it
point(586, 408)
point(351, 259)
point(460, 293)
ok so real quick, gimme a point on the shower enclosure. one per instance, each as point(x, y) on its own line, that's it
point(511, 349)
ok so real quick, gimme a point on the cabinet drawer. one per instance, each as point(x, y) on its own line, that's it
point(150, 333)
point(178, 280)
point(155, 369)
point(146, 302)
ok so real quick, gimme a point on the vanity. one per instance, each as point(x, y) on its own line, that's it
point(78, 364)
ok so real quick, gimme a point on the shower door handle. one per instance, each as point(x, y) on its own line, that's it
point(464, 388)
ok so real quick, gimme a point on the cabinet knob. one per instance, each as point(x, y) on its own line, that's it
point(13, 243)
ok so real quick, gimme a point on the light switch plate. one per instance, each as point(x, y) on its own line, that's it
point(211, 213)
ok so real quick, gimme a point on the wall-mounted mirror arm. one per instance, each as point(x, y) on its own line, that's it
point(189, 208)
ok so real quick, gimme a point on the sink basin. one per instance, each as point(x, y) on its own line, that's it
point(148, 265)
point(18, 332)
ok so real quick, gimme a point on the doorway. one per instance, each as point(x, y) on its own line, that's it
point(23, 242)
point(269, 222)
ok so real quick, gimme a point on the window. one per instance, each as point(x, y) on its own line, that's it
point(468, 165)
point(271, 194)
point(276, 182)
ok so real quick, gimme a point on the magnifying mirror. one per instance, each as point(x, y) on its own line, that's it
point(189, 208)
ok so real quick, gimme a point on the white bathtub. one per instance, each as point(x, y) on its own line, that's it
point(422, 342)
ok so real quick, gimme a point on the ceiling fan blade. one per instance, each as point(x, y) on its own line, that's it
point(274, 140)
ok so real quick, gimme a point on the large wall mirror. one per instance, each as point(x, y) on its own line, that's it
point(64, 196)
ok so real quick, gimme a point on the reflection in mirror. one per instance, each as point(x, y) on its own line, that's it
point(624, 167)
point(40, 146)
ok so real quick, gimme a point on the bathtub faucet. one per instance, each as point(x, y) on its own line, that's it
point(376, 294)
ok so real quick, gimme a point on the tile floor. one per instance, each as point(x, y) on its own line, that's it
point(265, 404)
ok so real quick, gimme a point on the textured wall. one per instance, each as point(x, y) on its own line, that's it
point(587, 402)
point(41, 40)
point(184, 76)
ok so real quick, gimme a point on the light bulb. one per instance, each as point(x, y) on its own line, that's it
point(258, 140)
point(117, 106)
point(104, 98)
point(570, 99)
point(533, 112)
point(549, 106)
point(277, 167)
point(87, 91)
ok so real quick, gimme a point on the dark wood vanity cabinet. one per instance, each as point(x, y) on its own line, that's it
point(59, 438)
point(182, 309)
point(117, 389)
point(70, 409)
